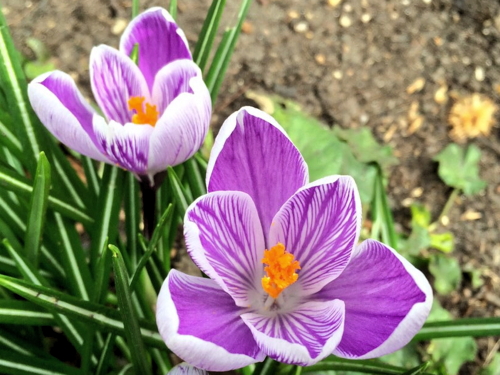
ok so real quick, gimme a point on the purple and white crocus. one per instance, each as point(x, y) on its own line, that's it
point(287, 277)
point(156, 110)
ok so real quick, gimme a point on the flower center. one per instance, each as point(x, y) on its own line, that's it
point(141, 116)
point(280, 270)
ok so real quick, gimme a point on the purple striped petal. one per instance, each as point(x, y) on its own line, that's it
point(182, 128)
point(125, 145)
point(173, 80)
point(201, 324)
point(115, 79)
point(185, 369)
point(65, 113)
point(225, 240)
point(301, 337)
point(253, 154)
point(160, 42)
point(320, 226)
point(387, 301)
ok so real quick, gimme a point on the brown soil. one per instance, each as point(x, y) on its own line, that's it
point(349, 65)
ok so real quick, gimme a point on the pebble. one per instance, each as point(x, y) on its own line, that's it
point(441, 94)
point(479, 74)
point(247, 27)
point(345, 21)
point(417, 192)
point(348, 8)
point(334, 3)
point(416, 86)
point(301, 27)
point(366, 17)
point(119, 25)
point(337, 74)
point(320, 58)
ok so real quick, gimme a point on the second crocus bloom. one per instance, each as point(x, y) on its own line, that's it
point(288, 279)
point(156, 110)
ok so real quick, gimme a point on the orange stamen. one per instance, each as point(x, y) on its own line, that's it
point(280, 270)
point(150, 116)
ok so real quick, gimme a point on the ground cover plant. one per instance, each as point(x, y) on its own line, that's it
point(301, 270)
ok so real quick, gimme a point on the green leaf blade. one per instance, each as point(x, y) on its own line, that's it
point(129, 315)
point(37, 209)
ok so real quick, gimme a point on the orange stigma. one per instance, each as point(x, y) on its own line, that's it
point(141, 117)
point(280, 270)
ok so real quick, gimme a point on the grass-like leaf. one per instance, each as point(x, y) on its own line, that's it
point(219, 65)
point(474, 327)
point(128, 314)
point(23, 313)
point(107, 209)
point(132, 216)
point(208, 33)
point(195, 178)
point(30, 273)
point(37, 210)
point(383, 221)
point(363, 366)
point(101, 317)
point(10, 181)
point(182, 196)
point(103, 364)
point(15, 89)
point(73, 258)
point(12, 363)
point(160, 228)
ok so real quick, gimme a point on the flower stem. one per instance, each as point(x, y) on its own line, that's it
point(148, 193)
point(135, 8)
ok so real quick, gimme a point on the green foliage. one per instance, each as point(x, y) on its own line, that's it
point(365, 147)
point(422, 236)
point(449, 355)
point(458, 168)
point(408, 357)
point(446, 271)
point(493, 368)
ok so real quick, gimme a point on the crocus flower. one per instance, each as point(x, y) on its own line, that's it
point(156, 110)
point(287, 278)
point(186, 369)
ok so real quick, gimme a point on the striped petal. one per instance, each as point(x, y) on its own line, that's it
point(387, 300)
point(186, 369)
point(320, 226)
point(300, 337)
point(115, 79)
point(65, 113)
point(201, 324)
point(160, 42)
point(182, 128)
point(224, 239)
point(125, 145)
point(253, 154)
point(173, 80)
